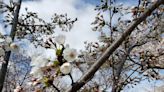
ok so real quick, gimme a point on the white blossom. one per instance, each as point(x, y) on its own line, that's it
point(8, 39)
point(60, 39)
point(66, 68)
point(36, 72)
point(70, 54)
point(43, 59)
point(37, 63)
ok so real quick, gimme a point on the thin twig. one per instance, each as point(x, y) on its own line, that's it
point(71, 78)
point(55, 87)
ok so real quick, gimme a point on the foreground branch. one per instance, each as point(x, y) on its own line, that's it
point(7, 54)
point(87, 76)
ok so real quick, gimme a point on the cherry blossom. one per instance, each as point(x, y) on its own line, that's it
point(70, 54)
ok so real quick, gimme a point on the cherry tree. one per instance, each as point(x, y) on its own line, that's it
point(128, 53)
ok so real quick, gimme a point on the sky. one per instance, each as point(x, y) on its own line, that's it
point(74, 9)
point(81, 9)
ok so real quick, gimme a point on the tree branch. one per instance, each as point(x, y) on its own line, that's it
point(71, 78)
point(155, 66)
point(86, 77)
point(7, 54)
point(134, 61)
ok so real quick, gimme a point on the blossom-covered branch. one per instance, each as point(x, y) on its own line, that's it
point(86, 77)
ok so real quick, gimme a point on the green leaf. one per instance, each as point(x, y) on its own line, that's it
point(58, 52)
point(56, 63)
point(58, 72)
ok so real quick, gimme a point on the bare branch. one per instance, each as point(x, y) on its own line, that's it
point(155, 66)
point(55, 87)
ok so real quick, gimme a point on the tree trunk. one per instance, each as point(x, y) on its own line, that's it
point(7, 54)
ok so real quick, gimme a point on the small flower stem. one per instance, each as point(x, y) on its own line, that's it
point(71, 78)
point(55, 87)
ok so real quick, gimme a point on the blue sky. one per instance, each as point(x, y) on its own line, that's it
point(92, 1)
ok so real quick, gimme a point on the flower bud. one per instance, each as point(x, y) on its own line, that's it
point(66, 68)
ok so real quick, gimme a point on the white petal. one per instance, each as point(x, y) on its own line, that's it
point(66, 68)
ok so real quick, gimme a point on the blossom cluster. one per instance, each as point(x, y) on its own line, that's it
point(53, 61)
